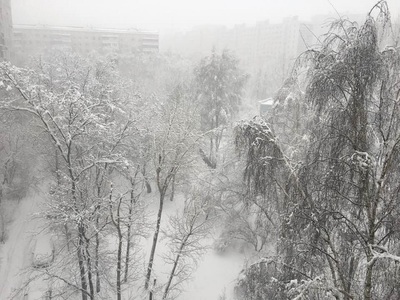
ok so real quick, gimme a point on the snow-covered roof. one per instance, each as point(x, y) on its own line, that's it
point(82, 29)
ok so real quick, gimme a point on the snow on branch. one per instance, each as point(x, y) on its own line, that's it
point(380, 252)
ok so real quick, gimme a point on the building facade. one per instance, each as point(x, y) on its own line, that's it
point(34, 39)
point(257, 47)
point(5, 29)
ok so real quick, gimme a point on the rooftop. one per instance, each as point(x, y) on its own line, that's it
point(82, 29)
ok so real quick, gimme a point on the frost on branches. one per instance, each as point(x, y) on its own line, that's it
point(337, 199)
point(81, 112)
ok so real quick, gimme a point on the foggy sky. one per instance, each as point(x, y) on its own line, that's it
point(166, 15)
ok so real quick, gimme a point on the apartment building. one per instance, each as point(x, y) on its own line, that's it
point(5, 29)
point(33, 39)
point(257, 47)
point(265, 43)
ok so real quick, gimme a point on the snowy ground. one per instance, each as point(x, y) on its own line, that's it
point(215, 273)
point(16, 252)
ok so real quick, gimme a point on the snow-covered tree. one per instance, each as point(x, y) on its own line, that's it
point(175, 143)
point(219, 84)
point(78, 105)
point(337, 195)
point(185, 238)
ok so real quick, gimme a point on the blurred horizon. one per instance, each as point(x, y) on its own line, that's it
point(180, 15)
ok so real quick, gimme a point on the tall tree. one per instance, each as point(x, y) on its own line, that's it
point(175, 140)
point(338, 196)
point(220, 85)
point(185, 236)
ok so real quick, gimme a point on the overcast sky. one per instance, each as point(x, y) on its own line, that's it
point(177, 14)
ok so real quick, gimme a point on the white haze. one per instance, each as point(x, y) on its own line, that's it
point(178, 14)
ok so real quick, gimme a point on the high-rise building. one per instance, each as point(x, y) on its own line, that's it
point(35, 39)
point(257, 47)
point(5, 29)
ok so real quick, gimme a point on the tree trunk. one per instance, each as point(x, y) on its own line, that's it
point(151, 291)
point(86, 255)
point(81, 263)
point(146, 181)
point(371, 241)
point(368, 281)
point(207, 160)
point(155, 238)
point(97, 241)
point(176, 261)
point(119, 262)
point(127, 253)
point(128, 234)
point(89, 268)
point(119, 253)
point(96, 258)
point(171, 198)
point(81, 241)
